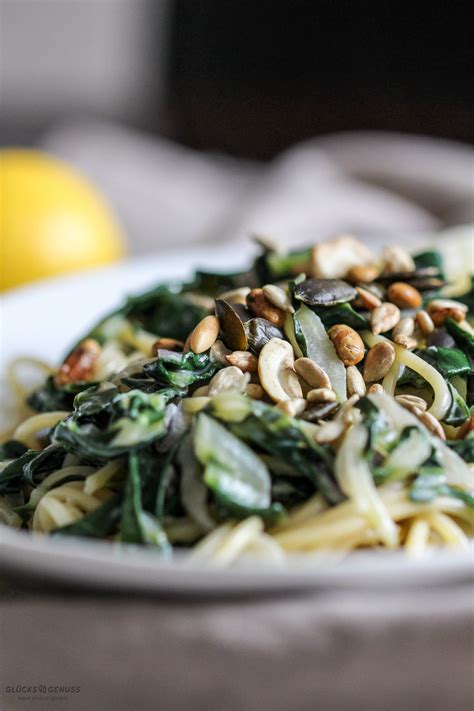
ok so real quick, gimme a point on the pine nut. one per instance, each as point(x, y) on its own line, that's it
point(205, 334)
point(425, 322)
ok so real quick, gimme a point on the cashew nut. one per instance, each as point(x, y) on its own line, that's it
point(276, 371)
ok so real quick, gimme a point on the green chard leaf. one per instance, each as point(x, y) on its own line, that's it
point(12, 449)
point(107, 423)
point(138, 525)
point(430, 258)
point(447, 361)
point(49, 397)
point(237, 477)
point(180, 371)
point(100, 523)
point(463, 339)
point(458, 412)
point(463, 447)
point(30, 468)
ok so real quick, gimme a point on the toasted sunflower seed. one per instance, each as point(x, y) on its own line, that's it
point(355, 381)
point(230, 378)
point(330, 431)
point(245, 360)
point(432, 424)
point(278, 297)
point(384, 317)
point(405, 327)
point(368, 299)
point(425, 322)
point(292, 407)
point(378, 361)
point(409, 402)
point(321, 395)
point(376, 388)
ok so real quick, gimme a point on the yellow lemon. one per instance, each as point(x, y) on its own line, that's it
point(52, 221)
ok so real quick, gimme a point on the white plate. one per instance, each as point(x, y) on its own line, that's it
point(42, 321)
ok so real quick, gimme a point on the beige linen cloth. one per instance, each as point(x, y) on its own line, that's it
point(331, 650)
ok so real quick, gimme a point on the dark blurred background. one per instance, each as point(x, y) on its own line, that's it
point(241, 76)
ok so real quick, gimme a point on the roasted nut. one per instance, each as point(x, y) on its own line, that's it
point(424, 322)
point(378, 361)
point(396, 259)
point(192, 405)
point(362, 274)
point(348, 344)
point(384, 317)
point(167, 344)
point(275, 370)
point(431, 423)
point(346, 412)
point(406, 341)
point(230, 378)
point(219, 353)
point(203, 391)
point(312, 373)
point(278, 297)
point(404, 296)
point(405, 327)
point(236, 296)
point(355, 381)
point(409, 402)
point(441, 309)
point(205, 334)
point(245, 360)
point(324, 292)
point(367, 298)
point(258, 304)
point(233, 331)
point(292, 407)
point(402, 333)
point(319, 411)
point(330, 431)
point(376, 389)
point(258, 332)
point(321, 395)
point(80, 364)
point(255, 391)
point(332, 259)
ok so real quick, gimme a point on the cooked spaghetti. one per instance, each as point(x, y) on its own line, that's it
point(320, 401)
